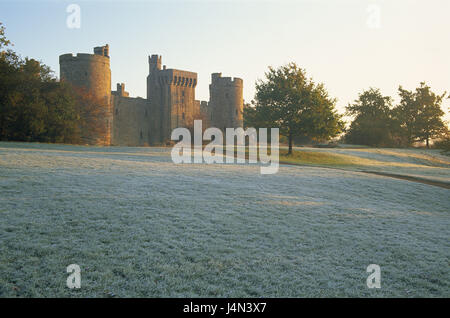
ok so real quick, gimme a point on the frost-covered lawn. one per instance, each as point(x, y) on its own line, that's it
point(139, 225)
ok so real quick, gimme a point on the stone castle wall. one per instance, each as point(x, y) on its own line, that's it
point(132, 121)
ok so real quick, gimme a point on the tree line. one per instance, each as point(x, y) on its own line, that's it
point(417, 118)
point(34, 106)
point(286, 98)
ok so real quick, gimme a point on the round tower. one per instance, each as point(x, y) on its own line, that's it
point(92, 73)
point(226, 101)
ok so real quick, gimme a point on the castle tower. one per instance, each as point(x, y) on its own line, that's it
point(171, 93)
point(154, 96)
point(226, 102)
point(92, 73)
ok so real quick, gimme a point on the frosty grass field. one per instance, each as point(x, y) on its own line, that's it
point(139, 225)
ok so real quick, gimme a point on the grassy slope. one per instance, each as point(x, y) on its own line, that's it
point(418, 163)
point(319, 159)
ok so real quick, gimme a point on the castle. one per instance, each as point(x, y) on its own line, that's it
point(170, 101)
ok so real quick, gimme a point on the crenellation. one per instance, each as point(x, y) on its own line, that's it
point(102, 50)
point(217, 79)
point(121, 90)
point(154, 63)
point(238, 81)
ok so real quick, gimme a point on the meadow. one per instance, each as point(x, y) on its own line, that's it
point(140, 226)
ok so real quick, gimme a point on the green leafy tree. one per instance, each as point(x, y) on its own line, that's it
point(254, 117)
point(372, 124)
point(405, 116)
point(287, 99)
point(23, 110)
point(33, 105)
point(63, 122)
point(419, 114)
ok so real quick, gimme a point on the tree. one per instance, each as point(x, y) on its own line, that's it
point(253, 117)
point(419, 114)
point(3, 41)
point(372, 124)
point(444, 141)
point(63, 116)
point(93, 116)
point(405, 116)
point(33, 105)
point(290, 101)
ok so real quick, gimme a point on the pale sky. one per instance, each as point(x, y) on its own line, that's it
point(343, 43)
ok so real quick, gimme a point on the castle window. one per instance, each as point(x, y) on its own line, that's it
point(141, 134)
point(117, 111)
point(236, 112)
point(183, 116)
point(182, 93)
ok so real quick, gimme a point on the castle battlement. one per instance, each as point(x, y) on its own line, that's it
point(177, 77)
point(217, 79)
point(102, 50)
point(121, 90)
point(83, 57)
